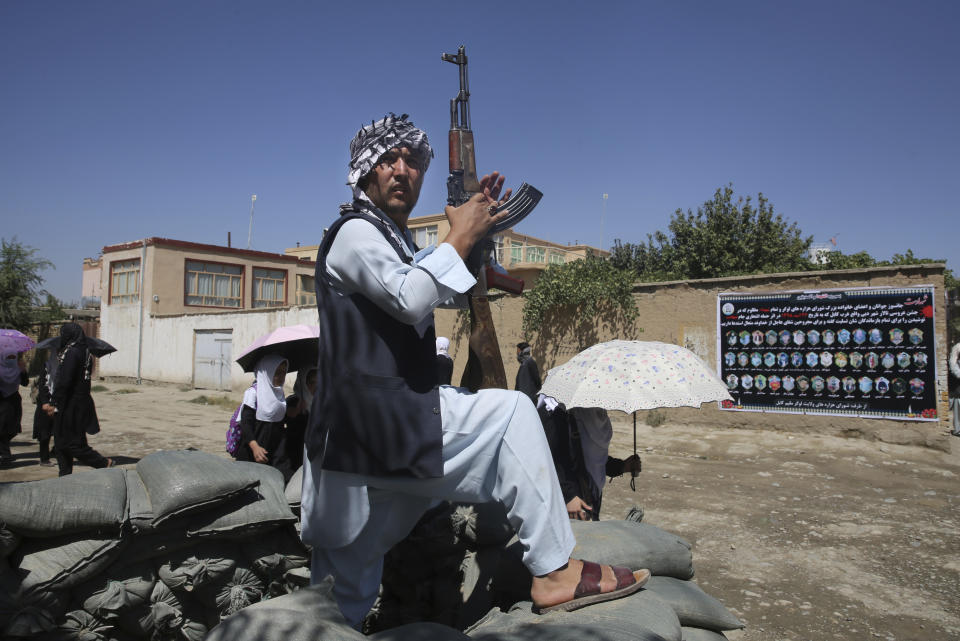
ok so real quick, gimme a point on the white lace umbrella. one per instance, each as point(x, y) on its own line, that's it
point(634, 375)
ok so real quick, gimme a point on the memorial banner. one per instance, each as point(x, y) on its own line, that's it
point(866, 352)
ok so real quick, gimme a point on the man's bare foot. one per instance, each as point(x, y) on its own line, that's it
point(560, 586)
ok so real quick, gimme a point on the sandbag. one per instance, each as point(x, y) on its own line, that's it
point(259, 508)
point(83, 502)
point(61, 564)
point(485, 523)
point(639, 617)
point(200, 566)
point(477, 589)
point(8, 541)
point(693, 606)
point(310, 614)
point(699, 634)
point(273, 556)
point(80, 625)
point(233, 592)
point(634, 545)
point(184, 481)
point(122, 588)
point(27, 614)
point(421, 631)
point(172, 619)
point(139, 511)
point(158, 543)
point(294, 490)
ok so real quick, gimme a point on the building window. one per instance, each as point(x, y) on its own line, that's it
point(425, 236)
point(306, 291)
point(516, 251)
point(556, 258)
point(535, 254)
point(125, 281)
point(213, 284)
point(269, 287)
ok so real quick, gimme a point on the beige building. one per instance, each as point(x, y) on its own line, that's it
point(185, 277)
point(523, 256)
point(182, 312)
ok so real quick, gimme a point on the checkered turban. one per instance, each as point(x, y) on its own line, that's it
point(375, 139)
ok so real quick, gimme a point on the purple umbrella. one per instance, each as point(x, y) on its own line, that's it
point(12, 340)
point(299, 344)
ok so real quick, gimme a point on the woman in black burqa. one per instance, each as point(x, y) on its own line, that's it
point(13, 375)
point(71, 406)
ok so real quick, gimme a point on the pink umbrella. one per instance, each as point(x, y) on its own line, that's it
point(12, 340)
point(299, 344)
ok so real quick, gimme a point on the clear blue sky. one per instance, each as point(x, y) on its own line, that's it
point(124, 120)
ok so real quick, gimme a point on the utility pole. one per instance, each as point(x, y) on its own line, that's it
point(253, 200)
point(603, 215)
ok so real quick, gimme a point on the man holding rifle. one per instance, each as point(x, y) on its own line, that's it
point(385, 442)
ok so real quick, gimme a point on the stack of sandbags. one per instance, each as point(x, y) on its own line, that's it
point(461, 567)
point(160, 552)
point(670, 607)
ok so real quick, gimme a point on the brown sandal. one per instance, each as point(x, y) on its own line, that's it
point(588, 589)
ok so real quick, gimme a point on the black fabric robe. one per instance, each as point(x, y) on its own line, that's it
point(76, 414)
point(11, 410)
point(528, 379)
point(269, 435)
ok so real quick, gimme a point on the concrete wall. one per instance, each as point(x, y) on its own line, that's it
point(168, 343)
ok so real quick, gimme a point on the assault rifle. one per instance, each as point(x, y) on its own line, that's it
point(484, 364)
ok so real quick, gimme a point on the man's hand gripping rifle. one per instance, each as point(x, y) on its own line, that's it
point(484, 366)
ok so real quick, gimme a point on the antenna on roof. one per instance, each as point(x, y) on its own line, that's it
point(253, 199)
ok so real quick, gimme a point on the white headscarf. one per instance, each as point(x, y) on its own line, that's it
point(267, 398)
point(443, 344)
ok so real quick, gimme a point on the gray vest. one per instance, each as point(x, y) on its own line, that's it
point(377, 406)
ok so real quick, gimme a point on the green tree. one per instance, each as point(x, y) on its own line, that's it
point(587, 287)
point(727, 236)
point(20, 284)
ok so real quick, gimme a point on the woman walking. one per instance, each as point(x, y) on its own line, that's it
point(13, 374)
point(71, 406)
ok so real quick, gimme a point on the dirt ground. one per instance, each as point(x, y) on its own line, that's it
point(803, 537)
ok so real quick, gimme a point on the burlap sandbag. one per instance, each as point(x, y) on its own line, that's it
point(634, 545)
point(8, 541)
point(184, 481)
point(294, 489)
point(171, 618)
point(234, 591)
point(693, 606)
point(80, 625)
point(257, 509)
point(639, 617)
point(122, 588)
point(87, 501)
point(421, 631)
point(273, 555)
point(484, 523)
point(139, 511)
point(310, 614)
point(699, 634)
point(63, 563)
point(27, 614)
point(200, 566)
